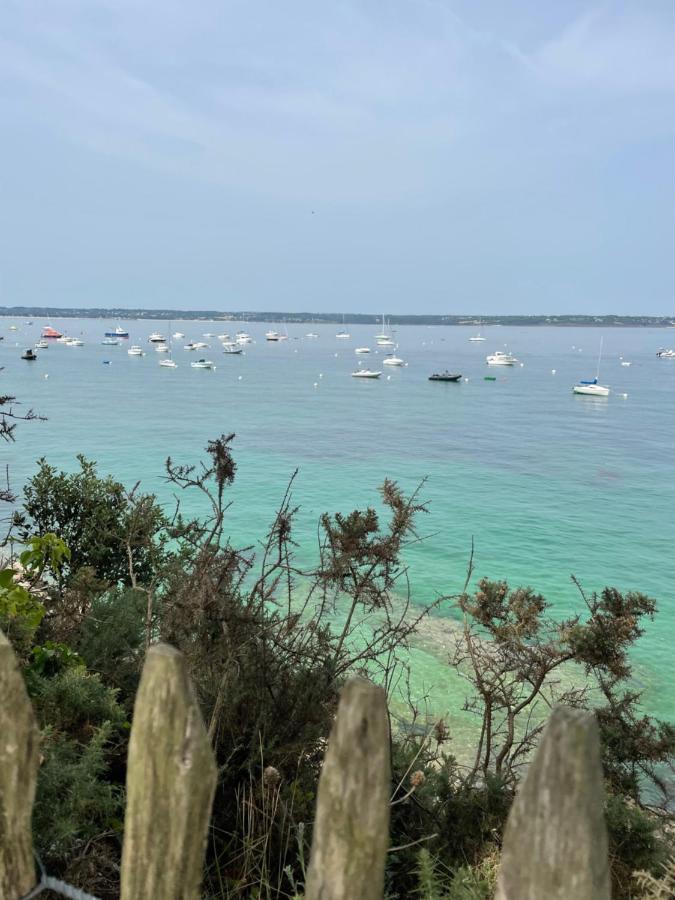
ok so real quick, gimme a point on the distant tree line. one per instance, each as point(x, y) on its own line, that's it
point(606, 321)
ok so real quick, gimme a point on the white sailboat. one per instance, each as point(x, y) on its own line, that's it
point(343, 334)
point(477, 338)
point(168, 363)
point(383, 334)
point(592, 388)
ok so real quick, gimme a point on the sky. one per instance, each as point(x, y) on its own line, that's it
point(407, 156)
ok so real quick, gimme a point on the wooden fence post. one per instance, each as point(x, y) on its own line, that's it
point(555, 844)
point(19, 756)
point(171, 779)
point(351, 829)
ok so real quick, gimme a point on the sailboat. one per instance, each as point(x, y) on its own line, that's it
point(168, 363)
point(477, 337)
point(343, 334)
point(383, 334)
point(592, 388)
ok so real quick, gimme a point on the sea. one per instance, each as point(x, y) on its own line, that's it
point(538, 483)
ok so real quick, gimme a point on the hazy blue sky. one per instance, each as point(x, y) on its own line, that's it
point(382, 155)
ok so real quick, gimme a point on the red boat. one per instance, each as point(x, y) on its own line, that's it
point(49, 332)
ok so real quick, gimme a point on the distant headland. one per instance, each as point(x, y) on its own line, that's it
point(609, 321)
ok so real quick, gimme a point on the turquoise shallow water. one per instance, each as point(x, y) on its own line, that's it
point(546, 483)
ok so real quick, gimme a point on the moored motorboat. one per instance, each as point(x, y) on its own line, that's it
point(42, 345)
point(202, 364)
point(232, 348)
point(272, 336)
point(117, 333)
point(29, 355)
point(445, 376)
point(501, 359)
point(362, 350)
point(393, 361)
point(665, 354)
point(49, 332)
point(365, 373)
point(74, 342)
point(168, 364)
point(135, 351)
point(161, 348)
point(110, 342)
point(157, 338)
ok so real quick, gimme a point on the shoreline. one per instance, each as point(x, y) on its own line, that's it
point(316, 318)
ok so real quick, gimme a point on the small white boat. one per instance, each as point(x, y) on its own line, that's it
point(272, 336)
point(110, 342)
point(13, 328)
point(311, 334)
point(365, 373)
point(477, 338)
point(42, 345)
point(178, 334)
point(592, 388)
point(190, 346)
point(231, 348)
point(393, 361)
point(157, 338)
point(203, 364)
point(625, 362)
point(135, 351)
point(64, 339)
point(74, 342)
point(200, 345)
point(168, 364)
point(362, 350)
point(501, 359)
point(665, 354)
point(343, 335)
point(161, 348)
point(384, 336)
point(243, 338)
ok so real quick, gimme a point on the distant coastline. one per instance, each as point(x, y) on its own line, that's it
point(308, 318)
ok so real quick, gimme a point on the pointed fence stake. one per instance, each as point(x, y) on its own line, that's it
point(19, 757)
point(171, 778)
point(351, 830)
point(555, 844)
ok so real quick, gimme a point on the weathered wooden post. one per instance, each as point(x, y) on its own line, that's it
point(351, 829)
point(555, 844)
point(171, 778)
point(19, 756)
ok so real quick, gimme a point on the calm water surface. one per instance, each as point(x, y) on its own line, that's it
point(547, 484)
